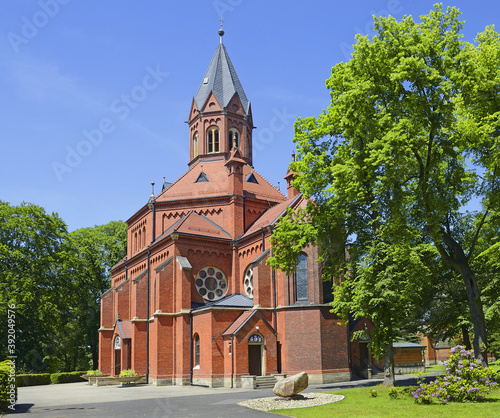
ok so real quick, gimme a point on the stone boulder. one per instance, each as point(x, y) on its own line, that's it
point(290, 386)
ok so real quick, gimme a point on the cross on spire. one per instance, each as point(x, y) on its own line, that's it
point(221, 31)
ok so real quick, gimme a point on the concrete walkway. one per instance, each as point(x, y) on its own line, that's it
point(82, 400)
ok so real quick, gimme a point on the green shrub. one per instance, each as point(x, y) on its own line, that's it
point(466, 380)
point(374, 393)
point(8, 388)
point(396, 392)
point(33, 379)
point(68, 377)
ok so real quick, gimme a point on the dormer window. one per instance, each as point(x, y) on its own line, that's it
point(195, 145)
point(213, 139)
point(234, 138)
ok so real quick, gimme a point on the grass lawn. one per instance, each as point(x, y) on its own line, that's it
point(359, 403)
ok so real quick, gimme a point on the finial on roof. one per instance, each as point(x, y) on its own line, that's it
point(221, 31)
point(152, 197)
point(293, 156)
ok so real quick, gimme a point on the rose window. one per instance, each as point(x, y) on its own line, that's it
point(211, 283)
point(248, 282)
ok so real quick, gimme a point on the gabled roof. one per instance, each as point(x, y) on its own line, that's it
point(271, 216)
point(243, 319)
point(124, 329)
point(214, 169)
point(221, 78)
point(196, 224)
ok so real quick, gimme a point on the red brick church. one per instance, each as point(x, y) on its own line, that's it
point(194, 301)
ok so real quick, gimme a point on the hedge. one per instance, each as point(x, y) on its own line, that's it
point(47, 378)
point(66, 377)
point(8, 394)
point(33, 379)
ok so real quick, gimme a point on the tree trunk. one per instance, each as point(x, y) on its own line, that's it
point(477, 313)
point(459, 261)
point(465, 337)
point(389, 377)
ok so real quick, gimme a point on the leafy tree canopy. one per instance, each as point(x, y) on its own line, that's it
point(411, 136)
point(54, 279)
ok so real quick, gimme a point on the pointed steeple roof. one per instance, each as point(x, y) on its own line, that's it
point(221, 78)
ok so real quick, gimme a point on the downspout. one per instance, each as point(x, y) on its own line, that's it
point(147, 322)
point(191, 346)
point(275, 323)
point(244, 215)
point(151, 204)
point(232, 360)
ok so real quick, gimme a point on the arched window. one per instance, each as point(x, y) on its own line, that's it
point(301, 278)
point(213, 140)
point(196, 350)
point(143, 236)
point(234, 138)
point(140, 239)
point(195, 145)
point(135, 242)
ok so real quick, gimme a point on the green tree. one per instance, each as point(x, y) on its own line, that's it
point(90, 255)
point(410, 137)
point(55, 280)
point(30, 251)
point(391, 285)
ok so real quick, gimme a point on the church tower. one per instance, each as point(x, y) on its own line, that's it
point(220, 118)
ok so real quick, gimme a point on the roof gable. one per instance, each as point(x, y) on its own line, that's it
point(272, 215)
point(187, 186)
point(245, 318)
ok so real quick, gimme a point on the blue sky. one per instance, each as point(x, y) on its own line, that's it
point(120, 75)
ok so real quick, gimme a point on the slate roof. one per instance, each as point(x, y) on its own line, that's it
point(408, 345)
point(235, 300)
point(239, 322)
point(221, 78)
point(124, 329)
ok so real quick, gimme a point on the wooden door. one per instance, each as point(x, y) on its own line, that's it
point(255, 360)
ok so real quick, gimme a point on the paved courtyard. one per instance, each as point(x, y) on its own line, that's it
point(81, 400)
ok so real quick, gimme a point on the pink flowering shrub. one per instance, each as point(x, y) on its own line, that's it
point(466, 380)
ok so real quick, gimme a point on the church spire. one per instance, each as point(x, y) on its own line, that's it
point(220, 116)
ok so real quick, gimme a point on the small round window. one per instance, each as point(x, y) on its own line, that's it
point(211, 283)
point(248, 282)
